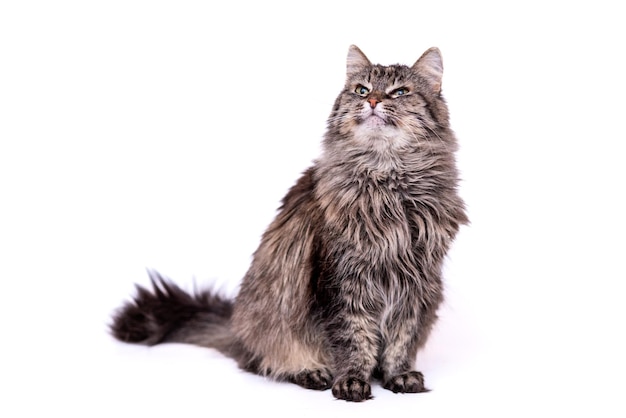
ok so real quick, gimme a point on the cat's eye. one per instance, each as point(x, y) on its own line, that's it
point(402, 91)
point(361, 90)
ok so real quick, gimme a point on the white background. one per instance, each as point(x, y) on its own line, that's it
point(157, 134)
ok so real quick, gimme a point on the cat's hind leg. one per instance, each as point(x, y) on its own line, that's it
point(317, 379)
point(304, 364)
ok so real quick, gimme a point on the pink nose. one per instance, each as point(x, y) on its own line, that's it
point(373, 102)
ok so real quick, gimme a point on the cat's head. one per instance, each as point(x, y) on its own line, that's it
point(393, 105)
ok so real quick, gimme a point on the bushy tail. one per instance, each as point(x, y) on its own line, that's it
point(166, 313)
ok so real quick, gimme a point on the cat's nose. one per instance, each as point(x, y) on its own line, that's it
point(373, 102)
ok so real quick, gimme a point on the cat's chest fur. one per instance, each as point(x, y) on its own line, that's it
point(369, 210)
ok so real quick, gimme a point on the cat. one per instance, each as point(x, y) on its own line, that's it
point(346, 282)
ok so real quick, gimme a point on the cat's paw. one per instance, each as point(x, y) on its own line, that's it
point(409, 382)
point(352, 389)
point(313, 379)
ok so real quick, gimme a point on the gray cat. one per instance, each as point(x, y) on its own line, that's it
point(346, 282)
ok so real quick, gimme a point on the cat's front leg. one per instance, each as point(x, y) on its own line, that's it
point(406, 382)
point(354, 343)
point(398, 358)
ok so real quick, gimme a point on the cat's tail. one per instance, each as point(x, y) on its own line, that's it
point(166, 313)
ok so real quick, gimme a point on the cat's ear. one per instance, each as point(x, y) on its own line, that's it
point(430, 66)
point(356, 60)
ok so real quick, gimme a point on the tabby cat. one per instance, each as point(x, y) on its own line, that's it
point(346, 282)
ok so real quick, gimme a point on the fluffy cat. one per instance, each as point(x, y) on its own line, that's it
point(346, 282)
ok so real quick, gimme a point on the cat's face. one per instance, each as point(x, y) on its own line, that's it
point(392, 105)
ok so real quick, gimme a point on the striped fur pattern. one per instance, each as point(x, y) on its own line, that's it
point(346, 282)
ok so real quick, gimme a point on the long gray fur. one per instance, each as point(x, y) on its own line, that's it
point(346, 282)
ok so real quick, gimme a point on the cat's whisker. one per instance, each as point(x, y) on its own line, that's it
point(436, 134)
point(424, 125)
point(411, 130)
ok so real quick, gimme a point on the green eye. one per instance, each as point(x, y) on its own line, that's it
point(400, 92)
point(361, 90)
